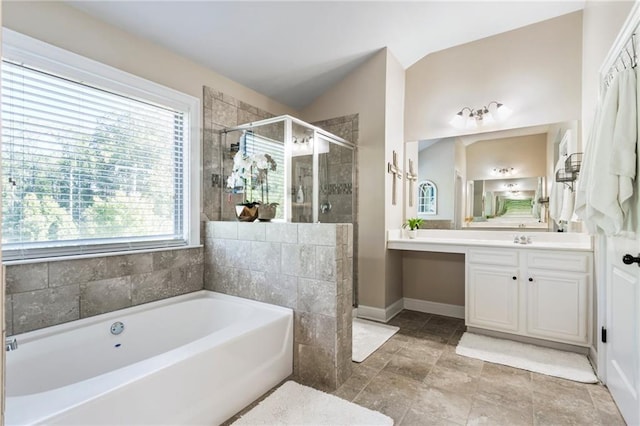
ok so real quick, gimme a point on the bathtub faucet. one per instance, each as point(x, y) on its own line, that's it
point(11, 344)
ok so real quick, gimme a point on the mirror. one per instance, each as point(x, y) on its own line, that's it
point(493, 180)
point(507, 203)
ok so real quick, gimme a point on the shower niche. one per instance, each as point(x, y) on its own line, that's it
point(304, 171)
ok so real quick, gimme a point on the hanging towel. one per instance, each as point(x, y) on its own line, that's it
point(623, 156)
point(557, 193)
point(602, 193)
point(582, 208)
point(568, 204)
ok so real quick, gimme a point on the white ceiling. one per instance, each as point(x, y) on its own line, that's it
point(293, 51)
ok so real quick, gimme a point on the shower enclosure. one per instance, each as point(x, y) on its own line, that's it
point(310, 172)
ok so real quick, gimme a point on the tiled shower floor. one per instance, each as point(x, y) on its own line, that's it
point(417, 379)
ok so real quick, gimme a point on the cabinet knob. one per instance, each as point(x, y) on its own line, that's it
point(530, 280)
point(514, 278)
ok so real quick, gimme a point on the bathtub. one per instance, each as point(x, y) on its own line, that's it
point(192, 359)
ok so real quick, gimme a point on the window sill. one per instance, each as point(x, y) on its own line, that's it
point(94, 255)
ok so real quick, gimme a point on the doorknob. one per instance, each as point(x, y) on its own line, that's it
point(628, 259)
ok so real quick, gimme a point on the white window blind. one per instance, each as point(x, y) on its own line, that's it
point(88, 170)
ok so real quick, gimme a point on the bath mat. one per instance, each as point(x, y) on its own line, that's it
point(552, 362)
point(369, 336)
point(295, 404)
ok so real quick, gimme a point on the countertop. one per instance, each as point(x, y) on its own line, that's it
point(457, 241)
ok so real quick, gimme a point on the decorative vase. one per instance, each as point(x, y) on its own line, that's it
point(266, 212)
point(247, 213)
point(412, 233)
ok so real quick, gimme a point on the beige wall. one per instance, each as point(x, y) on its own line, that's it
point(394, 141)
point(376, 92)
point(363, 92)
point(535, 70)
point(526, 154)
point(63, 26)
point(436, 277)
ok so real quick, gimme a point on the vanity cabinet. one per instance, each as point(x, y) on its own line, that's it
point(540, 294)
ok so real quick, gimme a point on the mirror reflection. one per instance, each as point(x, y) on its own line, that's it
point(493, 180)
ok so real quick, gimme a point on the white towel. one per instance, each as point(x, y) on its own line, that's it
point(582, 208)
point(602, 193)
point(568, 205)
point(623, 156)
point(557, 193)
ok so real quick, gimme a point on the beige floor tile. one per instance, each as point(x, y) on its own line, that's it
point(607, 409)
point(487, 413)
point(471, 366)
point(451, 379)
point(505, 394)
point(418, 418)
point(390, 394)
point(445, 404)
point(550, 415)
point(377, 360)
point(413, 315)
point(415, 368)
point(506, 375)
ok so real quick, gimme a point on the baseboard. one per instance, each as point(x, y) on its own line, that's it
point(379, 314)
point(454, 311)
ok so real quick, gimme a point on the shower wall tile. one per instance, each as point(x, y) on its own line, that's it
point(225, 230)
point(326, 263)
point(67, 272)
point(28, 277)
point(224, 114)
point(151, 286)
point(98, 297)
point(43, 308)
point(254, 231)
point(287, 270)
point(265, 256)
point(317, 233)
point(71, 289)
point(282, 232)
point(118, 266)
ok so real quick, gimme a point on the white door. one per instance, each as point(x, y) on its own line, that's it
point(623, 327)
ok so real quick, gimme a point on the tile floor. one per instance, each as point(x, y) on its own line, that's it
point(417, 379)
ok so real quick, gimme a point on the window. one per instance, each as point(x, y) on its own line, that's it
point(94, 159)
point(427, 198)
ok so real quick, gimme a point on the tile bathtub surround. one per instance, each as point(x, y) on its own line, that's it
point(44, 294)
point(306, 267)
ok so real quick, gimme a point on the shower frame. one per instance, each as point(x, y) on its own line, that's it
point(288, 121)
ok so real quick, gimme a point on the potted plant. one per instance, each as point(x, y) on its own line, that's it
point(414, 224)
point(240, 177)
point(263, 163)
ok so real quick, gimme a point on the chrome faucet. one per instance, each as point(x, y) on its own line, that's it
point(11, 344)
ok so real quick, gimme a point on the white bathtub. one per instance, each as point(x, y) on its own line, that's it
point(192, 359)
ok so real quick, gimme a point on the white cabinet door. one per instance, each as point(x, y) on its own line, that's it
point(557, 305)
point(492, 297)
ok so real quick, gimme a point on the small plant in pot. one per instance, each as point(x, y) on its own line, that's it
point(414, 224)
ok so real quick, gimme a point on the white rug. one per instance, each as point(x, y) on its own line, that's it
point(552, 362)
point(294, 404)
point(369, 336)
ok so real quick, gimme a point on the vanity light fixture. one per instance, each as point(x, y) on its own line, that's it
point(470, 118)
point(503, 171)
